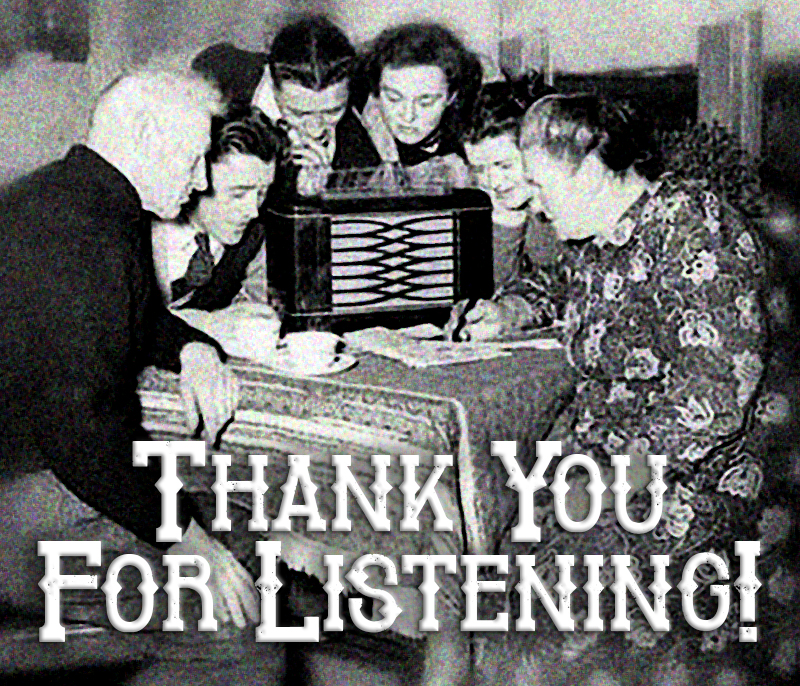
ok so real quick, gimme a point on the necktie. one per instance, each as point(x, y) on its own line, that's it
point(198, 273)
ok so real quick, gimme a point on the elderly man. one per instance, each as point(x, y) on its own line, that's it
point(82, 317)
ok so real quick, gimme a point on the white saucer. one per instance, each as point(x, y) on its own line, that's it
point(283, 363)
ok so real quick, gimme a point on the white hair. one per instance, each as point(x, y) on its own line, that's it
point(141, 123)
point(154, 93)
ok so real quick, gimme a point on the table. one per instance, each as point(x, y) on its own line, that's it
point(379, 407)
point(383, 407)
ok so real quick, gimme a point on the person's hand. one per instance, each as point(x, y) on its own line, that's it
point(208, 389)
point(314, 157)
point(253, 308)
point(308, 152)
point(312, 180)
point(235, 596)
point(455, 319)
point(488, 320)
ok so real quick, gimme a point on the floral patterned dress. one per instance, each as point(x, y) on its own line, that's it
point(664, 323)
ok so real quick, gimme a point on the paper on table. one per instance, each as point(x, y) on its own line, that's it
point(414, 348)
point(429, 331)
point(243, 330)
point(419, 353)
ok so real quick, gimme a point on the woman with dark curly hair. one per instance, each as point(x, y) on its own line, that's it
point(415, 93)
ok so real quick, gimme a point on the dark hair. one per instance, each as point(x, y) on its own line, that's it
point(574, 126)
point(501, 105)
point(709, 153)
point(424, 44)
point(312, 52)
point(246, 130)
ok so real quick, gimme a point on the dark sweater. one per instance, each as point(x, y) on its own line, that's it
point(81, 318)
point(229, 274)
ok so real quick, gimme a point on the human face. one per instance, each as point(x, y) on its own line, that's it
point(413, 101)
point(498, 168)
point(569, 196)
point(314, 114)
point(174, 162)
point(240, 184)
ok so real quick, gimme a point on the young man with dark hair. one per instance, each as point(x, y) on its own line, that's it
point(304, 83)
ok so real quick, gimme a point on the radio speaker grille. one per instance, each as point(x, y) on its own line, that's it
point(393, 261)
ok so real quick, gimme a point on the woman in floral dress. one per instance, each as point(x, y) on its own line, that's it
point(659, 300)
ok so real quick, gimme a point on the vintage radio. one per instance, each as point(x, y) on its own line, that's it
point(378, 247)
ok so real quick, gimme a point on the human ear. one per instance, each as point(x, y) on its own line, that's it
point(452, 98)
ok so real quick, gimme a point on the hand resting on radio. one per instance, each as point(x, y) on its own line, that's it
point(307, 152)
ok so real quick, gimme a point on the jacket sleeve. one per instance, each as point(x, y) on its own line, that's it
point(82, 411)
point(167, 334)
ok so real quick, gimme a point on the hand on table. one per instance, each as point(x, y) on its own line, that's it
point(314, 159)
point(487, 320)
point(208, 388)
point(235, 596)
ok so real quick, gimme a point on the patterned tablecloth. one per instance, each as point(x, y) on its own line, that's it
point(379, 407)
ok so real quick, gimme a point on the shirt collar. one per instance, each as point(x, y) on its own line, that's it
point(623, 229)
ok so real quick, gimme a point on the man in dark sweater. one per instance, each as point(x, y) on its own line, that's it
point(82, 316)
point(304, 82)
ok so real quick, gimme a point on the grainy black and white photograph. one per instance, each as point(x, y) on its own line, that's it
point(399, 343)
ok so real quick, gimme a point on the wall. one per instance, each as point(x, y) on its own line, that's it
point(44, 104)
point(41, 112)
point(476, 21)
point(592, 35)
point(585, 36)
